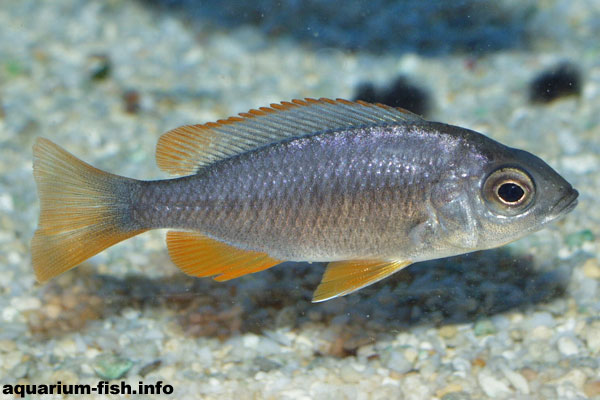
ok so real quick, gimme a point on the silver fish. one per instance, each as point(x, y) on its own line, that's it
point(365, 187)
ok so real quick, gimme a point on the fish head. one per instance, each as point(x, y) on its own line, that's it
point(517, 193)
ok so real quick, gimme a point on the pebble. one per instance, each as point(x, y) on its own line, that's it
point(591, 334)
point(567, 346)
point(396, 361)
point(411, 355)
point(541, 318)
point(492, 387)
point(64, 376)
point(591, 388)
point(347, 372)
point(26, 303)
point(250, 341)
point(65, 348)
point(7, 345)
point(6, 203)
point(266, 365)
point(462, 365)
point(591, 269)
point(451, 388)
point(456, 396)
point(484, 327)
point(11, 359)
point(21, 370)
point(110, 366)
point(9, 314)
point(448, 331)
point(517, 380)
point(575, 377)
point(150, 367)
point(541, 333)
point(204, 356)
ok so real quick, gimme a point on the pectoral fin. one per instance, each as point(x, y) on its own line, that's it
point(201, 256)
point(344, 277)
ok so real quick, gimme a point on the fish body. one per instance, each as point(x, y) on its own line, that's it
point(367, 188)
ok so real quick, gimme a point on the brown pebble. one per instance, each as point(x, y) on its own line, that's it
point(529, 374)
point(131, 98)
point(396, 375)
point(478, 362)
point(451, 388)
point(591, 388)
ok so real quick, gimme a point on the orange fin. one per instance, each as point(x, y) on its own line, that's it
point(344, 277)
point(198, 255)
point(81, 212)
point(184, 150)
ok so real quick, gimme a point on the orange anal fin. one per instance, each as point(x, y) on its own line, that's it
point(201, 256)
point(344, 277)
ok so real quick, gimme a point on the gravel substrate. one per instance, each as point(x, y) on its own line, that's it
point(105, 78)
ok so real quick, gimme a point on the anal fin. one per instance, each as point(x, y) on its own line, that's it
point(344, 277)
point(201, 256)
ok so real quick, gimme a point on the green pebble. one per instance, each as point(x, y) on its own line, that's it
point(13, 67)
point(577, 239)
point(484, 327)
point(110, 366)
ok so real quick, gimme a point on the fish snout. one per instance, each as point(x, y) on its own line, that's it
point(566, 203)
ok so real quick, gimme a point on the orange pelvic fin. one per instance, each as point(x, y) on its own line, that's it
point(184, 150)
point(344, 277)
point(81, 213)
point(198, 255)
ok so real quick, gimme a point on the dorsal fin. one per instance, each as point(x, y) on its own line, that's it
point(344, 277)
point(198, 255)
point(184, 150)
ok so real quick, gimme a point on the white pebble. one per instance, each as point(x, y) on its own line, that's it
point(541, 333)
point(398, 363)
point(250, 341)
point(567, 346)
point(25, 303)
point(205, 357)
point(460, 364)
point(491, 386)
point(517, 380)
point(9, 313)
point(6, 202)
point(592, 337)
point(411, 355)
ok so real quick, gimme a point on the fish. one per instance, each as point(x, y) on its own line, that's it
point(366, 188)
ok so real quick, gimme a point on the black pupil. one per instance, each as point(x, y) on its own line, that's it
point(510, 192)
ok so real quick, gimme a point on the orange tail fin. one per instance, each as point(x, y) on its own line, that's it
point(82, 210)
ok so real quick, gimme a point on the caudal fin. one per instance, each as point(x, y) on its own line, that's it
point(82, 210)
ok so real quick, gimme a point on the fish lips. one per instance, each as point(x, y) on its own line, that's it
point(566, 204)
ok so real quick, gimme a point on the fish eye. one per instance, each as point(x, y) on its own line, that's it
point(508, 191)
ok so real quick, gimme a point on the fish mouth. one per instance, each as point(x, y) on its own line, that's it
point(566, 204)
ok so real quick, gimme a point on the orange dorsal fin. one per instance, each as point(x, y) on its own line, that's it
point(184, 150)
point(344, 277)
point(198, 255)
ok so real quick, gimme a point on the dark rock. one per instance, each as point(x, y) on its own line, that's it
point(561, 80)
point(401, 93)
